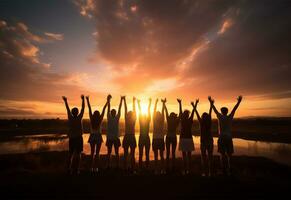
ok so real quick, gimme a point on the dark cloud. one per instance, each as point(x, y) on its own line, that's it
point(253, 56)
point(227, 47)
point(22, 75)
point(151, 36)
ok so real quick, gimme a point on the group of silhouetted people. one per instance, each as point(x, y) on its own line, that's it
point(159, 143)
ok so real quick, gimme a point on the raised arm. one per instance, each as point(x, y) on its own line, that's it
point(125, 107)
point(155, 108)
point(139, 107)
point(236, 106)
point(67, 107)
point(89, 107)
point(104, 107)
point(133, 105)
point(165, 107)
point(180, 107)
point(119, 107)
point(83, 107)
point(213, 106)
point(195, 109)
point(149, 107)
point(109, 107)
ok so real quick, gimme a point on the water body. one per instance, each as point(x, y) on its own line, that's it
point(279, 152)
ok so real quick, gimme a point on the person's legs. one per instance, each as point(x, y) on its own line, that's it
point(78, 161)
point(140, 156)
point(210, 159)
point(116, 149)
point(125, 156)
point(184, 160)
point(132, 157)
point(228, 162)
point(223, 161)
point(162, 160)
point(168, 145)
point(70, 161)
point(174, 145)
point(147, 152)
point(189, 160)
point(156, 159)
point(92, 146)
point(203, 161)
point(98, 147)
point(109, 149)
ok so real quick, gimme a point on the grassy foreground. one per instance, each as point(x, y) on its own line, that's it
point(43, 176)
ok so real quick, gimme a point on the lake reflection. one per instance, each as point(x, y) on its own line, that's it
point(279, 152)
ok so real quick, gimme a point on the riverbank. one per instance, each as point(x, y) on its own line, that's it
point(43, 175)
point(258, 129)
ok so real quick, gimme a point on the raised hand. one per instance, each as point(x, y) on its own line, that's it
point(179, 100)
point(150, 99)
point(157, 100)
point(133, 98)
point(197, 101)
point(123, 97)
point(210, 99)
point(82, 96)
point(109, 97)
point(192, 103)
point(138, 100)
point(239, 98)
point(164, 100)
point(87, 97)
point(64, 98)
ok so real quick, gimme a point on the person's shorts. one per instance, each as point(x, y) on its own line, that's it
point(76, 144)
point(129, 141)
point(115, 142)
point(206, 145)
point(158, 144)
point(170, 140)
point(95, 138)
point(225, 145)
point(186, 144)
point(144, 141)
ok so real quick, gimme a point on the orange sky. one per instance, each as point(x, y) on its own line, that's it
point(145, 49)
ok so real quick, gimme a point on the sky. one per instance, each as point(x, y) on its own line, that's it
point(184, 49)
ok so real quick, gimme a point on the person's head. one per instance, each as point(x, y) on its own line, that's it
point(96, 114)
point(186, 114)
point(113, 112)
point(205, 116)
point(129, 115)
point(173, 115)
point(224, 110)
point(75, 112)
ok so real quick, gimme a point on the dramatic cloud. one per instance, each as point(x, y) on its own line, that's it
point(223, 48)
point(22, 75)
point(252, 56)
point(55, 36)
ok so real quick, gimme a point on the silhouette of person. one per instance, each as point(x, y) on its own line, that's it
point(171, 138)
point(224, 143)
point(206, 140)
point(75, 134)
point(113, 131)
point(158, 136)
point(129, 140)
point(144, 138)
point(186, 144)
point(95, 138)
